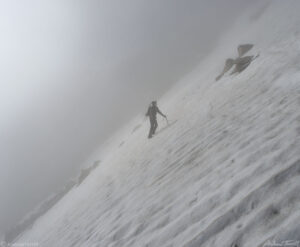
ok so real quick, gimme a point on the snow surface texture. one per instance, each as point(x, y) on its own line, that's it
point(225, 172)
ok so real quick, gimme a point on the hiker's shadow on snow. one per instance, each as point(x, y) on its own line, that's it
point(170, 124)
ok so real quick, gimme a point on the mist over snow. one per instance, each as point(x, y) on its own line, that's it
point(73, 72)
point(224, 171)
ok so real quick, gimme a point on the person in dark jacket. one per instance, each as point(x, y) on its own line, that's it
point(151, 113)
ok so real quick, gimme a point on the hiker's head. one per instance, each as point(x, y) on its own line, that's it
point(154, 102)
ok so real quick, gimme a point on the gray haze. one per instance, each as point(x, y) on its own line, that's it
point(73, 71)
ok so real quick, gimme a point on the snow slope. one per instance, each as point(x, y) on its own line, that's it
point(225, 172)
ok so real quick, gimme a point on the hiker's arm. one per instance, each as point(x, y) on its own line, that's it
point(160, 112)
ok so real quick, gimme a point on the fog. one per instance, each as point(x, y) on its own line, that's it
point(72, 72)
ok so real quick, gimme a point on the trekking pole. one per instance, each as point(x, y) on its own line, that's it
point(167, 120)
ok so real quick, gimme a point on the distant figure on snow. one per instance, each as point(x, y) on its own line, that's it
point(151, 113)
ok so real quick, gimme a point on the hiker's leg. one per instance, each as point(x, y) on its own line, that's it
point(150, 132)
point(151, 129)
point(154, 126)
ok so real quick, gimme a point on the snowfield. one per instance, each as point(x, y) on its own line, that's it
point(224, 172)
